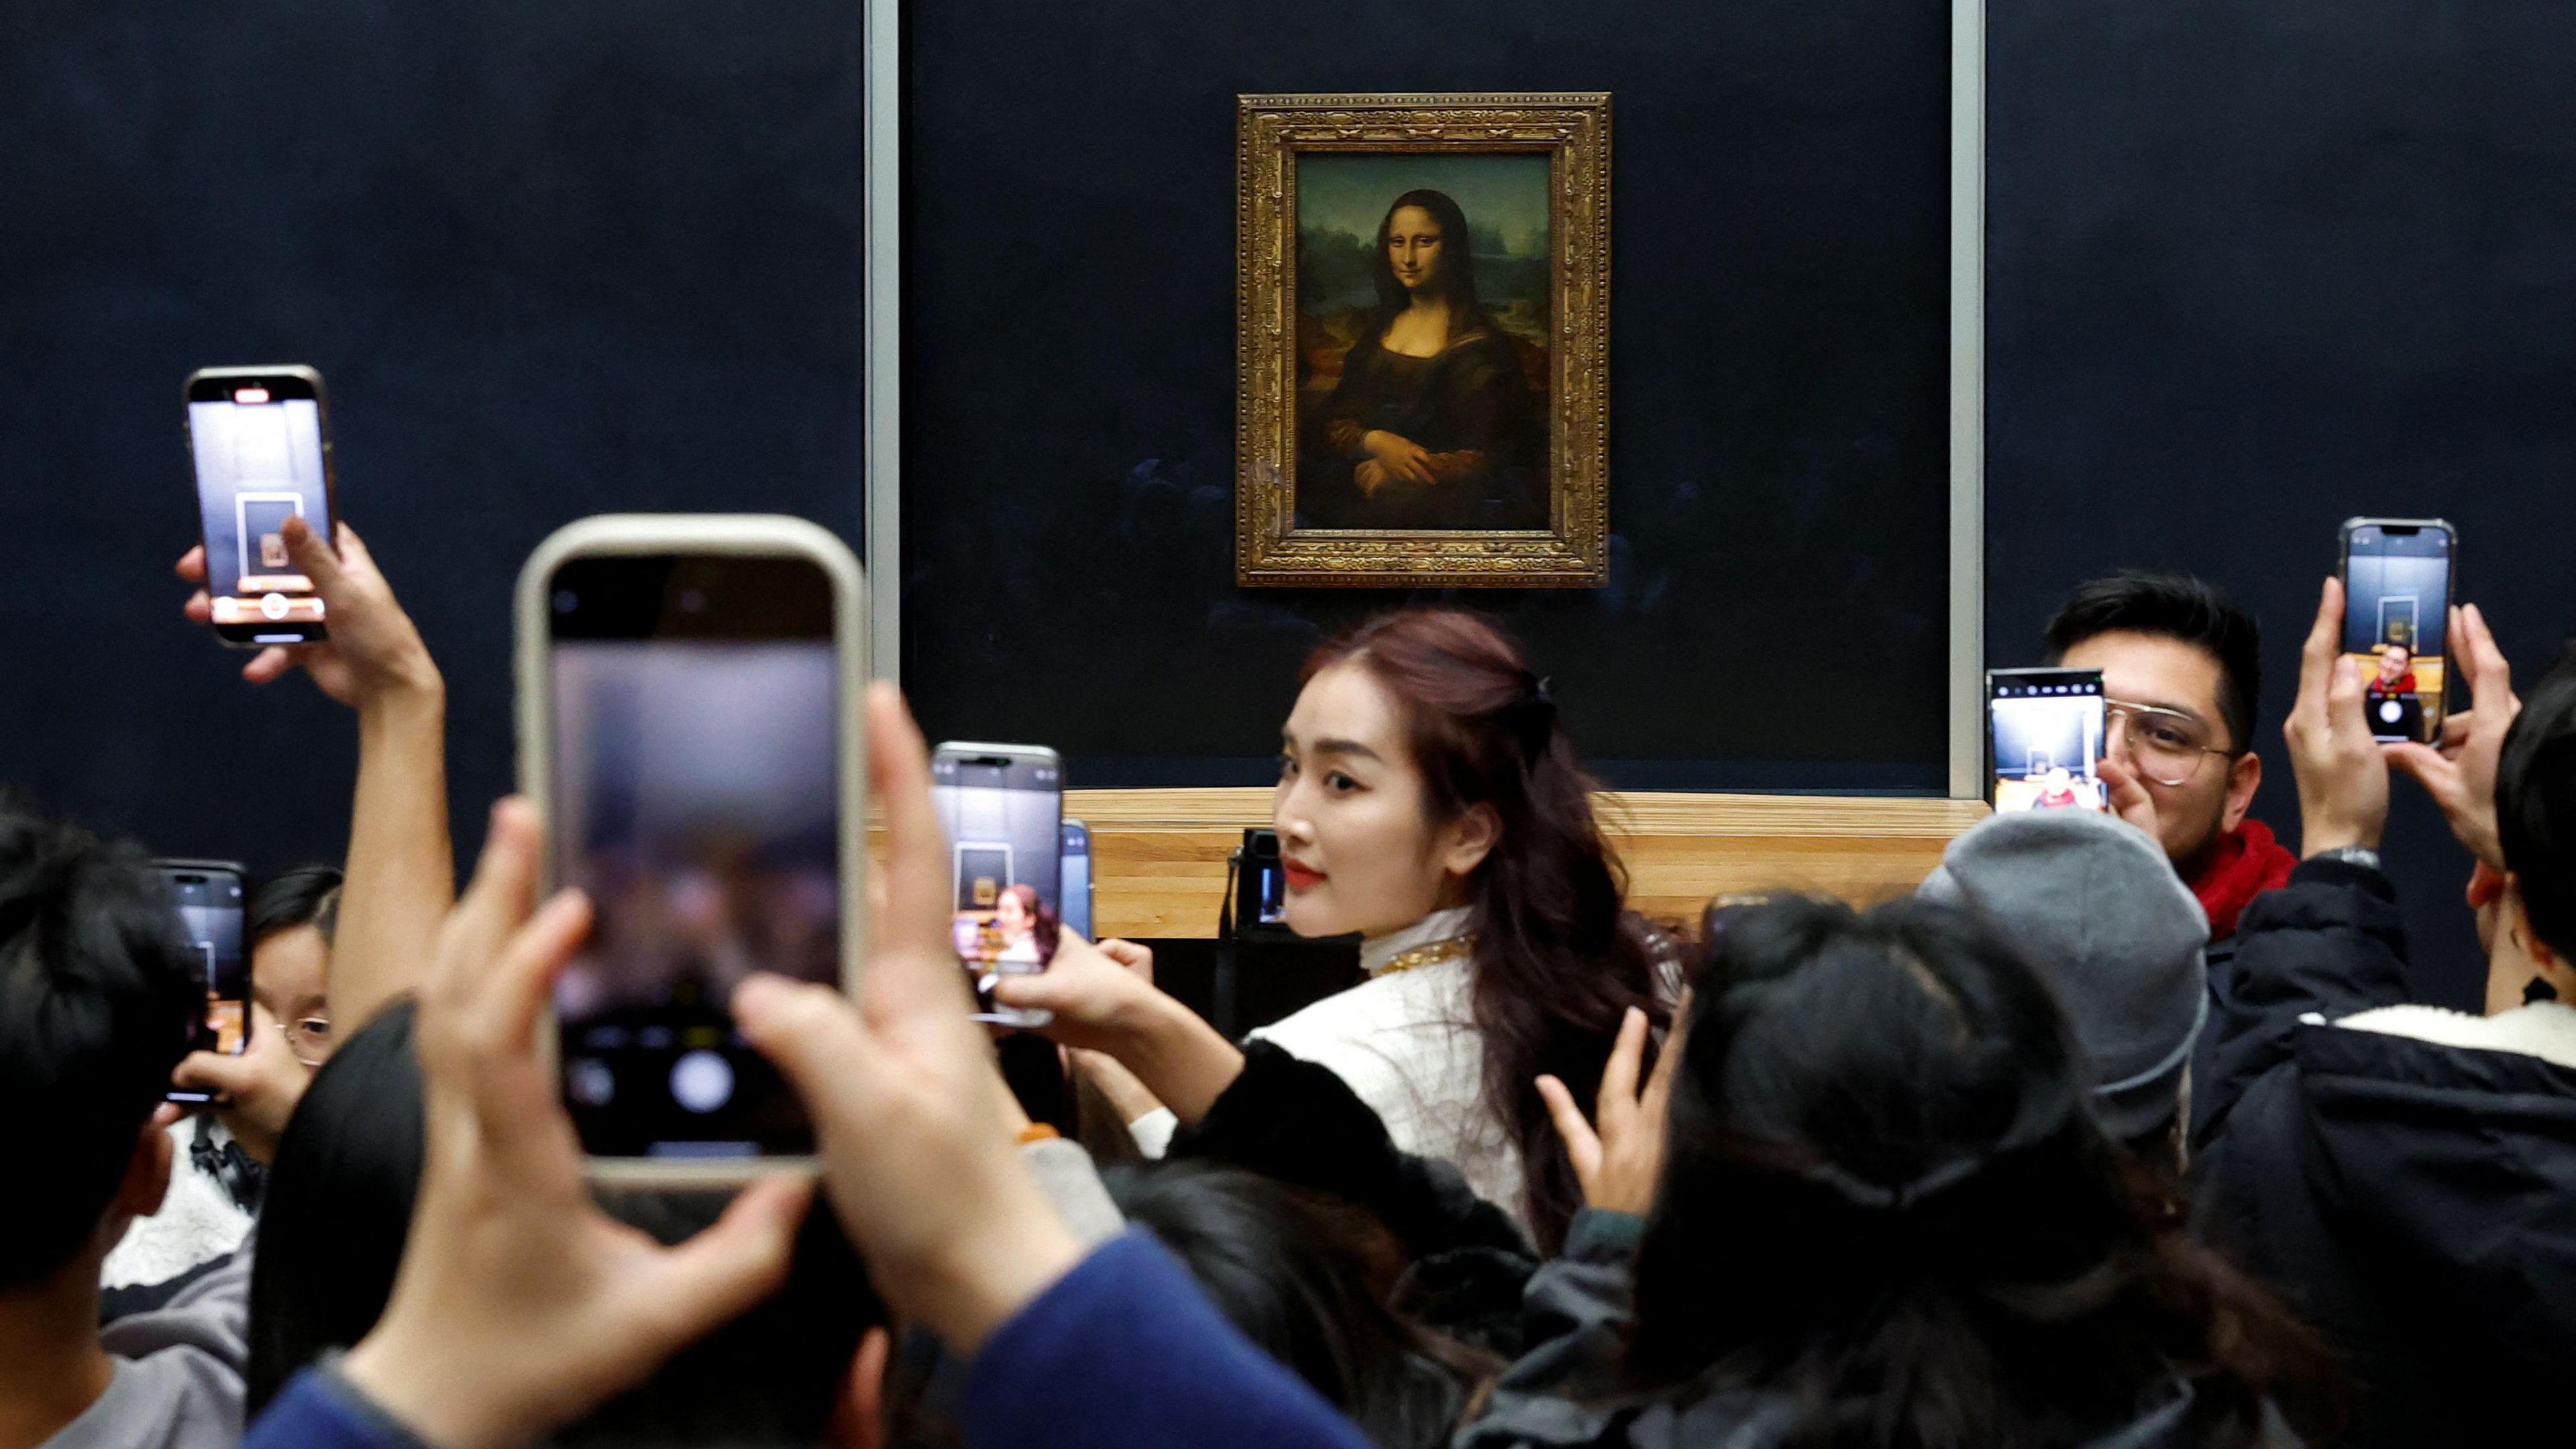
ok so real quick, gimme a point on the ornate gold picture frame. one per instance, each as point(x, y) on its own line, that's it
point(1422, 322)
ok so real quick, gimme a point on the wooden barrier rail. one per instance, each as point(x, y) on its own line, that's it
point(1159, 856)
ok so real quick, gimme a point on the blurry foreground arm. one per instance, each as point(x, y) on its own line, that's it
point(400, 873)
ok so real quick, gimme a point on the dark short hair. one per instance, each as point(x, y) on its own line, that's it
point(2174, 606)
point(2536, 805)
point(308, 895)
point(1307, 1278)
point(99, 998)
point(339, 1209)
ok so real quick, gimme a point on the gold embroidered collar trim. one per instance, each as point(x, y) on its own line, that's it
point(1430, 953)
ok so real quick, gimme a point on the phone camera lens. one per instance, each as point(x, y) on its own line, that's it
point(566, 601)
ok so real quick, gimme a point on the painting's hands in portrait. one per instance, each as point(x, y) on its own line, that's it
point(1397, 457)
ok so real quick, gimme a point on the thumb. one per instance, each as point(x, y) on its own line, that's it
point(734, 1263)
point(2423, 762)
point(312, 557)
point(810, 1033)
point(216, 1072)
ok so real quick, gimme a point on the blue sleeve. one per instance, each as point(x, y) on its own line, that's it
point(1124, 1352)
point(321, 1410)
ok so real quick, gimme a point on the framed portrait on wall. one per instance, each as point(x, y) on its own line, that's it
point(1422, 295)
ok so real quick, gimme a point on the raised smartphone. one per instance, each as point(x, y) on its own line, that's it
point(2044, 731)
point(261, 441)
point(689, 721)
point(1073, 863)
point(1002, 808)
point(2396, 620)
point(209, 897)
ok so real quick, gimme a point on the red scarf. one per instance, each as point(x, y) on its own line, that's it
point(2242, 864)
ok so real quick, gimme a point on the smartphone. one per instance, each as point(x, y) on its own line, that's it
point(1002, 808)
point(261, 441)
point(1260, 906)
point(209, 896)
point(690, 724)
point(1073, 865)
point(2044, 732)
point(2396, 619)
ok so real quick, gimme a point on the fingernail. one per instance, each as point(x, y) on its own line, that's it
point(755, 995)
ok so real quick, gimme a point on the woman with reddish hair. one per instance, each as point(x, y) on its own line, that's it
point(1428, 803)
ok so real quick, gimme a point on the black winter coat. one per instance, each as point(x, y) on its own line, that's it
point(2413, 1198)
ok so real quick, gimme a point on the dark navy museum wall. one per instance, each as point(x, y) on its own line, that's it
point(1778, 471)
point(553, 259)
point(2256, 268)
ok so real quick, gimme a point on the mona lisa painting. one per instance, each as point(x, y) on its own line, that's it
point(1422, 309)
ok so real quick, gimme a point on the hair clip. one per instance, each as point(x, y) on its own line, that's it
point(1881, 1197)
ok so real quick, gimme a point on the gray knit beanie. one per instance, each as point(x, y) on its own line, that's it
point(2094, 907)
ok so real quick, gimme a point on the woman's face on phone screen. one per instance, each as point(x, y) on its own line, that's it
point(1358, 853)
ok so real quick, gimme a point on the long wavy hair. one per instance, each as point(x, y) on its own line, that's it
point(1558, 957)
point(1883, 1199)
point(1457, 276)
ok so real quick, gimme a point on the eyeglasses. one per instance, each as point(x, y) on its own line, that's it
point(2165, 744)
point(309, 1039)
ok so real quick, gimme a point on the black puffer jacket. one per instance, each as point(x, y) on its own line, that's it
point(1568, 1391)
point(2405, 1177)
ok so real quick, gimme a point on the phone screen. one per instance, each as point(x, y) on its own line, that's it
point(210, 904)
point(696, 796)
point(1073, 862)
point(2396, 609)
point(2046, 728)
point(1002, 808)
point(257, 441)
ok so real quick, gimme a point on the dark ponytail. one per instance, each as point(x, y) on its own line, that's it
point(1558, 958)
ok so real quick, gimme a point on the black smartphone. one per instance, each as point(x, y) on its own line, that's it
point(1073, 866)
point(2396, 620)
point(2044, 734)
point(261, 442)
point(209, 897)
point(690, 701)
point(1260, 906)
point(1002, 808)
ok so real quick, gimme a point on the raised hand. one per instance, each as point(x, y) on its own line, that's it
point(256, 1090)
point(1104, 1000)
point(2343, 777)
point(373, 646)
point(907, 1103)
point(2460, 773)
point(1620, 1161)
point(520, 1305)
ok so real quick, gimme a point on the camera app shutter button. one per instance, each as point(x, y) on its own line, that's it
point(701, 1081)
point(273, 605)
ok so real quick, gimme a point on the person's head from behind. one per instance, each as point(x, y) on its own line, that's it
point(1307, 1278)
point(2188, 664)
point(2091, 904)
point(2536, 824)
point(100, 996)
point(1883, 1196)
point(339, 1208)
point(1422, 769)
point(290, 922)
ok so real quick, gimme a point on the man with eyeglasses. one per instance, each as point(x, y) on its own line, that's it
point(2182, 674)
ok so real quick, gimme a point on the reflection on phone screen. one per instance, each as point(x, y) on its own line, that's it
point(2397, 592)
point(259, 463)
point(697, 802)
point(2047, 729)
point(1003, 816)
